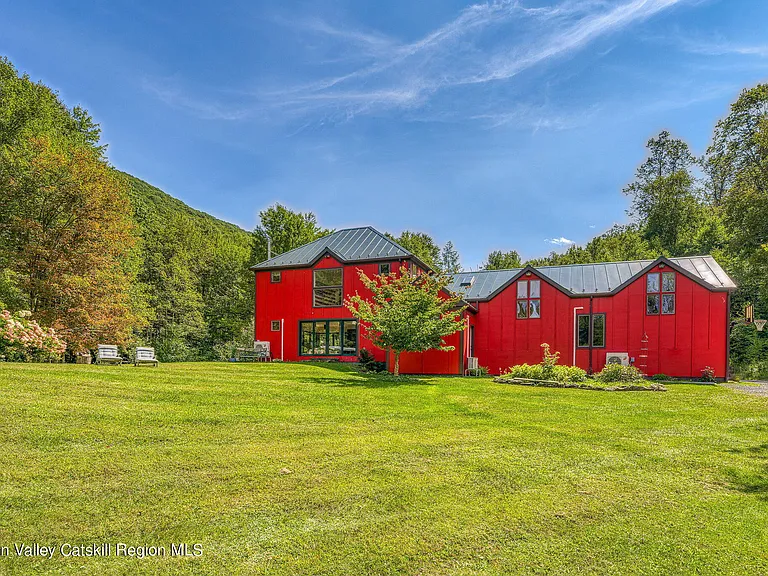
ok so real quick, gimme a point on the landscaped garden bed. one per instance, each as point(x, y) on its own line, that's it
point(550, 374)
point(588, 385)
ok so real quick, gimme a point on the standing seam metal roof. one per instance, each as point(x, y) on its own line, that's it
point(351, 244)
point(590, 279)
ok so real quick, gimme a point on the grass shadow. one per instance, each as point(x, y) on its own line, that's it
point(754, 481)
point(355, 378)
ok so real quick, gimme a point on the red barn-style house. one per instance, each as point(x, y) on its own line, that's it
point(669, 315)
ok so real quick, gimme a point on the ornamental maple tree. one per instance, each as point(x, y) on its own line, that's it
point(408, 313)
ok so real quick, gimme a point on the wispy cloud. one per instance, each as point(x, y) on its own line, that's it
point(403, 75)
point(485, 45)
point(562, 241)
point(724, 48)
point(168, 91)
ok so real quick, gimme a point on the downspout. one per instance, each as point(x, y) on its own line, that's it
point(728, 336)
point(575, 331)
point(591, 334)
point(255, 274)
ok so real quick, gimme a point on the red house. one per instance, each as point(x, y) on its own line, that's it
point(669, 315)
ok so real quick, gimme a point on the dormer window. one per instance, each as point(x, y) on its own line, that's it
point(467, 281)
point(528, 299)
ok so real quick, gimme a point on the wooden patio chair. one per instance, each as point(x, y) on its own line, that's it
point(107, 354)
point(145, 355)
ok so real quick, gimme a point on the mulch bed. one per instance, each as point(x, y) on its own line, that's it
point(652, 387)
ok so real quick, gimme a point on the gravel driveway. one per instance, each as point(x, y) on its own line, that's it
point(755, 388)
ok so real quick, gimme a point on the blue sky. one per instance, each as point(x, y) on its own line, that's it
point(495, 125)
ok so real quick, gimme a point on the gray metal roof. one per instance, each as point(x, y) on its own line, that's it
point(590, 279)
point(351, 245)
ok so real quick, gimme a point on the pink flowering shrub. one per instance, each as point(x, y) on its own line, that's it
point(24, 340)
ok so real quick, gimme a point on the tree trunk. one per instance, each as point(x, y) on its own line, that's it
point(397, 364)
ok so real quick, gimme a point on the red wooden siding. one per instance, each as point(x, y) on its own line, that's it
point(679, 344)
point(290, 301)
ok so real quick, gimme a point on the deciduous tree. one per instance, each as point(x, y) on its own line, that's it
point(65, 233)
point(408, 313)
point(498, 260)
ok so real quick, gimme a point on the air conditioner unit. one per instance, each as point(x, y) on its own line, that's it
point(617, 358)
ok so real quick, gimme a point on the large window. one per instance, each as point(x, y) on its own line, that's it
point(528, 299)
point(328, 289)
point(660, 293)
point(596, 331)
point(328, 338)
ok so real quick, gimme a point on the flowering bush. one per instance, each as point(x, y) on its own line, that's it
point(708, 374)
point(24, 340)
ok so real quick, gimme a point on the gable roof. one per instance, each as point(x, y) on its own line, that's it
point(348, 245)
point(592, 279)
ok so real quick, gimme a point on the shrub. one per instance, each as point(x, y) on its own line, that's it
point(526, 371)
point(569, 374)
point(24, 340)
point(659, 377)
point(549, 369)
point(369, 363)
point(708, 374)
point(619, 373)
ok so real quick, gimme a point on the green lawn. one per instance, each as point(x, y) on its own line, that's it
point(426, 476)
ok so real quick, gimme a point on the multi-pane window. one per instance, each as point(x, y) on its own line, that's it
point(275, 276)
point(385, 268)
point(275, 325)
point(328, 289)
point(328, 338)
point(528, 299)
point(660, 293)
point(594, 330)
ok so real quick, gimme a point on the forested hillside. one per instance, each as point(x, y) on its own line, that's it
point(104, 257)
point(193, 282)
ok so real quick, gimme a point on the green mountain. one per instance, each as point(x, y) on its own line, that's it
point(193, 287)
point(151, 207)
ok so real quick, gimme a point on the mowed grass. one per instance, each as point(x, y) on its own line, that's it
point(425, 476)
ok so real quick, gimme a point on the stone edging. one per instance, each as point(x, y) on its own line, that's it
point(582, 385)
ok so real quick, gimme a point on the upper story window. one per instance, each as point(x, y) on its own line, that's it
point(660, 293)
point(275, 276)
point(385, 268)
point(528, 299)
point(327, 287)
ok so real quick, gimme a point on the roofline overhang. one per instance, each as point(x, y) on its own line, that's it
point(330, 252)
point(660, 260)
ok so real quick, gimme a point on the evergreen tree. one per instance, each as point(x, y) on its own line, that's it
point(450, 261)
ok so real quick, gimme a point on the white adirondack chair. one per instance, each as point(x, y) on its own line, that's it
point(145, 355)
point(107, 354)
